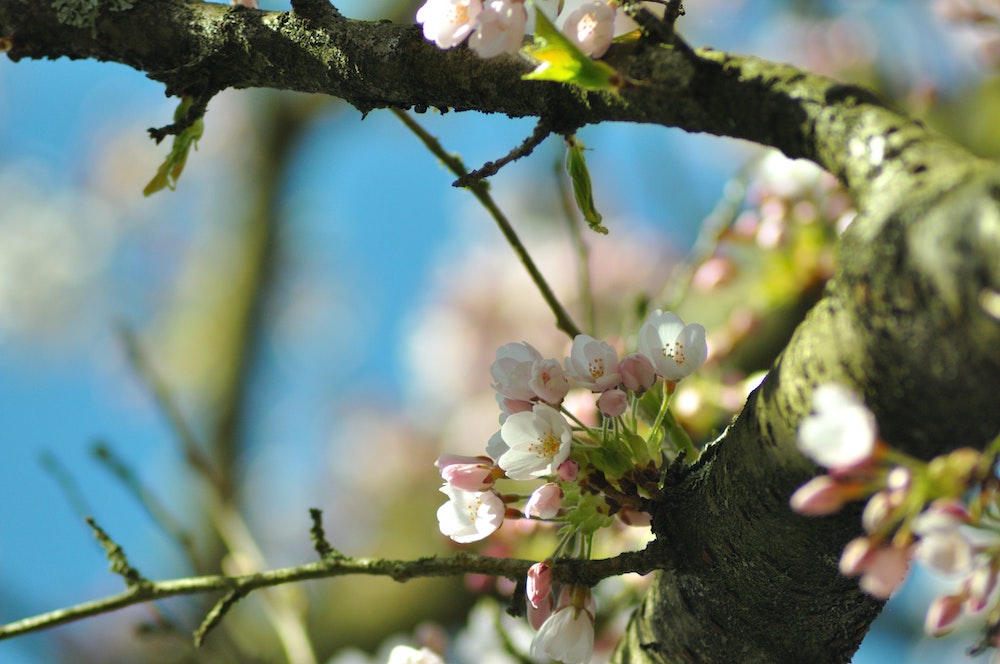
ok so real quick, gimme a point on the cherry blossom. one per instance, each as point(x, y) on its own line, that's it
point(591, 27)
point(568, 634)
point(544, 502)
point(467, 473)
point(822, 495)
point(447, 23)
point(539, 584)
point(548, 381)
point(568, 470)
point(943, 545)
point(841, 432)
point(537, 441)
point(675, 350)
point(637, 372)
point(501, 28)
point(470, 516)
point(408, 655)
point(881, 568)
point(593, 364)
point(943, 614)
point(612, 403)
point(513, 369)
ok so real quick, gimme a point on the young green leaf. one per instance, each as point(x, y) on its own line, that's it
point(562, 61)
point(583, 191)
point(170, 170)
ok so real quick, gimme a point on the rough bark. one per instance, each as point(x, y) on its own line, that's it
point(907, 320)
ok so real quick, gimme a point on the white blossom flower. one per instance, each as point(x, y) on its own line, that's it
point(676, 350)
point(568, 634)
point(591, 27)
point(841, 432)
point(537, 441)
point(501, 28)
point(448, 22)
point(408, 655)
point(512, 370)
point(593, 364)
point(548, 381)
point(470, 516)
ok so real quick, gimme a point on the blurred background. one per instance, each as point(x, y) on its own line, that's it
point(312, 314)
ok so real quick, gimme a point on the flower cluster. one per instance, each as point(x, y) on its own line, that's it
point(493, 27)
point(944, 513)
point(590, 464)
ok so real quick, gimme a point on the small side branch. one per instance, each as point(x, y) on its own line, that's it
point(582, 572)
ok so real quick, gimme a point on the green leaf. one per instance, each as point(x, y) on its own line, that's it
point(562, 61)
point(170, 170)
point(583, 191)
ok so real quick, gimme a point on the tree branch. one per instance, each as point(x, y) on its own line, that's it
point(581, 572)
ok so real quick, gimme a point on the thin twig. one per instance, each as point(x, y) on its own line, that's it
point(480, 190)
point(541, 132)
point(579, 572)
point(193, 453)
point(159, 514)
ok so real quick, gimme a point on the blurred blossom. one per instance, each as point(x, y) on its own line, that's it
point(55, 254)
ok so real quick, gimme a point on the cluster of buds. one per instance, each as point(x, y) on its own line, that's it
point(944, 513)
point(587, 473)
point(493, 27)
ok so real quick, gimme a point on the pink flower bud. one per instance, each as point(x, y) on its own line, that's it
point(942, 614)
point(537, 615)
point(819, 496)
point(568, 470)
point(612, 403)
point(539, 584)
point(544, 502)
point(637, 373)
point(884, 570)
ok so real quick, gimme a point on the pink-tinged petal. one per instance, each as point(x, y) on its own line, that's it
point(885, 570)
point(819, 496)
point(549, 381)
point(539, 584)
point(544, 502)
point(637, 372)
point(612, 403)
point(943, 614)
point(500, 30)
